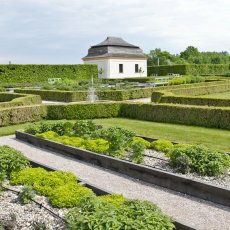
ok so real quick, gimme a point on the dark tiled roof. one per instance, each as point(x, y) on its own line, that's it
point(115, 47)
point(114, 41)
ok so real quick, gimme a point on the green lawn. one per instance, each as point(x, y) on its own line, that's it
point(215, 138)
point(225, 95)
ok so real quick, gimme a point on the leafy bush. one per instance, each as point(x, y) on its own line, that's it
point(26, 195)
point(186, 80)
point(199, 159)
point(84, 127)
point(42, 181)
point(98, 145)
point(161, 145)
point(118, 138)
point(141, 140)
point(11, 160)
point(138, 149)
point(27, 176)
point(93, 213)
point(69, 195)
point(115, 199)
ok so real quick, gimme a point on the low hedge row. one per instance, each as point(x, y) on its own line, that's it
point(208, 69)
point(172, 96)
point(16, 115)
point(215, 117)
point(13, 100)
point(114, 95)
point(83, 111)
point(33, 74)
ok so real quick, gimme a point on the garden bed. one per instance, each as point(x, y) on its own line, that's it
point(147, 174)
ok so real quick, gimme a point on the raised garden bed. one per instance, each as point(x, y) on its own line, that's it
point(155, 176)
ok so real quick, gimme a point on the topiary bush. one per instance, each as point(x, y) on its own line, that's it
point(12, 160)
point(199, 159)
point(161, 145)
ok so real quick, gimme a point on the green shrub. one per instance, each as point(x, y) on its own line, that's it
point(161, 145)
point(11, 160)
point(199, 159)
point(141, 140)
point(27, 176)
point(186, 80)
point(138, 149)
point(215, 117)
point(92, 213)
point(118, 138)
point(84, 127)
point(115, 199)
point(98, 145)
point(26, 195)
point(83, 111)
point(16, 115)
point(208, 69)
point(69, 195)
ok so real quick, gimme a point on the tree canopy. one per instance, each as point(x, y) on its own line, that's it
point(191, 55)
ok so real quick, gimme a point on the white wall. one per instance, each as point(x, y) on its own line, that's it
point(128, 68)
point(111, 67)
point(102, 63)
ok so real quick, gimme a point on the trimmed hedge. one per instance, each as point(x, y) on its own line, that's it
point(208, 69)
point(14, 99)
point(83, 111)
point(33, 74)
point(16, 115)
point(171, 95)
point(114, 95)
point(179, 114)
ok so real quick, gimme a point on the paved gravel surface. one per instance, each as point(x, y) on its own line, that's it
point(201, 214)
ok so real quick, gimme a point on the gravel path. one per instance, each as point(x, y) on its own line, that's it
point(201, 214)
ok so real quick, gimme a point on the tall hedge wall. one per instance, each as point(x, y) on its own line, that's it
point(83, 111)
point(32, 74)
point(16, 115)
point(209, 69)
point(178, 114)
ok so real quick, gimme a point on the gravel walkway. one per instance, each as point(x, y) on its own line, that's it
point(201, 214)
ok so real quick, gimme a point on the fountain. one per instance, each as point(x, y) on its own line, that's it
point(92, 96)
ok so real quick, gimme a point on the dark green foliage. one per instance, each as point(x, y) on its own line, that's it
point(84, 127)
point(83, 111)
point(119, 139)
point(61, 128)
point(26, 195)
point(11, 160)
point(93, 213)
point(199, 159)
point(35, 74)
point(209, 69)
point(178, 114)
point(138, 149)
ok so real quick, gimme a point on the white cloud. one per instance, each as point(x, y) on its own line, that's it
point(32, 30)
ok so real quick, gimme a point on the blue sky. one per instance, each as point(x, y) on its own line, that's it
point(61, 31)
